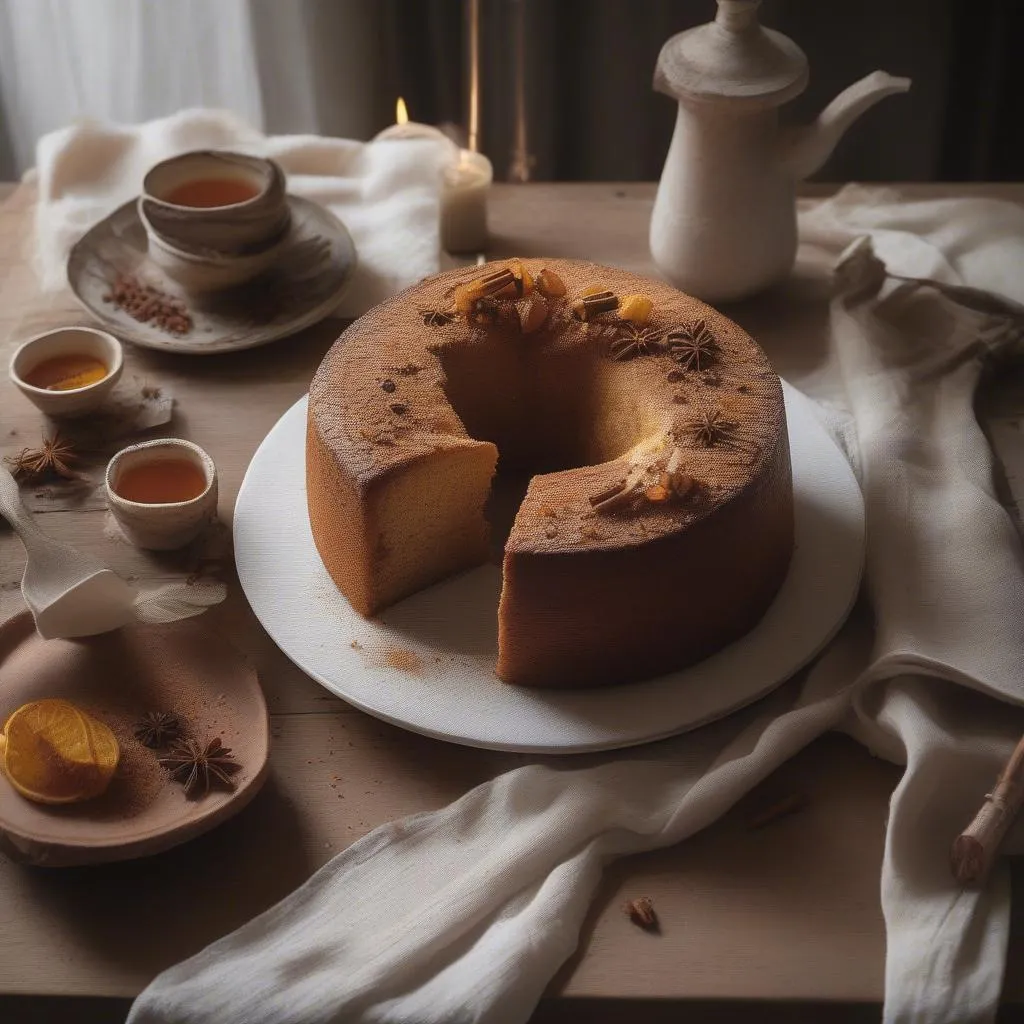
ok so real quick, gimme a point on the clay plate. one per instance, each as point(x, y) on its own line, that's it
point(117, 677)
point(316, 264)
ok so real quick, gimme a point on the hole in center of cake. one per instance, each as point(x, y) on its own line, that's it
point(544, 409)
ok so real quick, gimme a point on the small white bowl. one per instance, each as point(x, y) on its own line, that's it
point(62, 342)
point(162, 527)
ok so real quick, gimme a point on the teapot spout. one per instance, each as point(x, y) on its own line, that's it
point(804, 150)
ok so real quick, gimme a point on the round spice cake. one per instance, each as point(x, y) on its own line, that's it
point(657, 525)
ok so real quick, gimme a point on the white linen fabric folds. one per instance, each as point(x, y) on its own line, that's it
point(386, 193)
point(464, 914)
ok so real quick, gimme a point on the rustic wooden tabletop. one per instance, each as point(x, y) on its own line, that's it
point(775, 924)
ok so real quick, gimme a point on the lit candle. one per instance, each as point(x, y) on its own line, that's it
point(465, 182)
point(403, 128)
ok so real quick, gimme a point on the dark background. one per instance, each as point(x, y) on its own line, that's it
point(592, 114)
point(335, 67)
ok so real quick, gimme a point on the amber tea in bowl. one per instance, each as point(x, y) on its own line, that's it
point(205, 193)
point(69, 371)
point(162, 493)
point(214, 219)
point(213, 202)
point(161, 483)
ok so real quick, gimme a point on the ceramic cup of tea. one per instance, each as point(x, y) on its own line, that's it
point(162, 493)
point(69, 371)
point(214, 218)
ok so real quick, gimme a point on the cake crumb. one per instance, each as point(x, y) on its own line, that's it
point(642, 913)
point(408, 370)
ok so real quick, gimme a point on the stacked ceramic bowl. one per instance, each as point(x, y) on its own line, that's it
point(214, 219)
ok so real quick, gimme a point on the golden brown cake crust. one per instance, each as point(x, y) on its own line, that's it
point(407, 382)
point(379, 400)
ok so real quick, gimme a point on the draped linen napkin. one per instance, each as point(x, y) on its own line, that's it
point(466, 913)
point(386, 193)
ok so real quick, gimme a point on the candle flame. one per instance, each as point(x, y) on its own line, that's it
point(401, 113)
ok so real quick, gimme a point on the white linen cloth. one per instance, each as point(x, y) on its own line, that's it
point(466, 913)
point(386, 193)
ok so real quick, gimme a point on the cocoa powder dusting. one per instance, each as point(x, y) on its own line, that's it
point(137, 780)
point(404, 660)
point(400, 658)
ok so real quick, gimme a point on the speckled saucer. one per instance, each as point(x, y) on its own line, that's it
point(117, 677)
point(315, 265)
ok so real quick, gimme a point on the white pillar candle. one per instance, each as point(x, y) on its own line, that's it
point(465, 185)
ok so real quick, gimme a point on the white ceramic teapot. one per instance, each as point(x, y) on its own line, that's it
point(724, 221)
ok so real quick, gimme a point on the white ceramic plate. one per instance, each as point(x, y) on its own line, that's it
point(427, 663)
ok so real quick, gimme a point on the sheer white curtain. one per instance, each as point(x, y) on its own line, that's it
point(294, 66)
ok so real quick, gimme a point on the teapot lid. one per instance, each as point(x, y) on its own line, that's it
point(732, 58)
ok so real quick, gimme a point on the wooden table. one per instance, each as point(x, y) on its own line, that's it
point(766, 925)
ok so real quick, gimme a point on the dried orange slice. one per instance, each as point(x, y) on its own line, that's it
point(54, 753)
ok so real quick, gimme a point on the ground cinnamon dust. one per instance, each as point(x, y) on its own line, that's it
point(137, 780)
point(393, 657)
point(405, 661)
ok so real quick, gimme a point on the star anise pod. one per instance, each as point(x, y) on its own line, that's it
point(158, 728)
point(195, 765)
point(635, 341)
point(435, 317)
point(54, 458)
point(22, 465)
point(694, 346)
point(709, 427)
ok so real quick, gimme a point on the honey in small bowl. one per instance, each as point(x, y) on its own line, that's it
point(67, 372)
point(205, 193)
point(161, 482)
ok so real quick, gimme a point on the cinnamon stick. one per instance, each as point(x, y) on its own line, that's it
point(975, 849)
